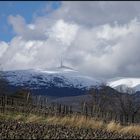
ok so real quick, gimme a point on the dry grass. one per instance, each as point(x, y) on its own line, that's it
point(131, 129)
point(112, 126)
point(34, 118)
point(75, 121)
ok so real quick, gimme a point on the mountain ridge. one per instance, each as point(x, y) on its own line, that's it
point(66, 78)
point(49, 81)
point(125, 83)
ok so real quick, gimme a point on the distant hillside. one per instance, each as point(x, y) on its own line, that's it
point(58, 82)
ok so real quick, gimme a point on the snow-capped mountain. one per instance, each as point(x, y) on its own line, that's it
point(125, 84)
point(60, 81)
point(64, 82)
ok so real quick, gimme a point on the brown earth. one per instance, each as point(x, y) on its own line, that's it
point(11, 129)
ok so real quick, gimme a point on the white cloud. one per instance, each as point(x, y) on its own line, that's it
point(94, 37)
point(3, 48)
point(63, 32)
point(31, 26)
point(27, 31)
point(98, 13)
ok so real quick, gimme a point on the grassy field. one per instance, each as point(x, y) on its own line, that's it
point(73, 121)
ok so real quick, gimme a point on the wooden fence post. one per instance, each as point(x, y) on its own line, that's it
point(63, 109)
point(115, 117)
point(83, 109)
point(2, 104)
point(59, 109)
point(28, 96)
point(122, 119)
point(91, 111)
point(52, 108)
point(86, 111)
point(101, 114)
point(66, 110)
point(5, 103)
point(111, 115)
point(71, 110)
point(133, 118)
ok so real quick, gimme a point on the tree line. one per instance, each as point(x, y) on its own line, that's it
point(109, 99)
point(104, 98)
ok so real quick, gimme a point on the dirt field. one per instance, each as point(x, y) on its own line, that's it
point(20, 130)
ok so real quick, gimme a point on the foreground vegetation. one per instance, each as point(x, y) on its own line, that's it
point(60, 123)
point(33, 126)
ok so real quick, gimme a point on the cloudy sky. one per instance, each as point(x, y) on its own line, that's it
point(100, 39)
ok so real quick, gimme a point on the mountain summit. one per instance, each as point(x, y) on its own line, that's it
point(60, 81)
point(124, 84)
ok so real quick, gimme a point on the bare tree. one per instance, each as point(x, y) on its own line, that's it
point(3, 84)
point(128, 104)
point(23, 93)
point(107, 99)
point(102, 97)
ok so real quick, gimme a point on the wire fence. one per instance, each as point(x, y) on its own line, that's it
point(41, 106)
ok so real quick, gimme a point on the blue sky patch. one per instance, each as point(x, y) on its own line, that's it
point(26, 9)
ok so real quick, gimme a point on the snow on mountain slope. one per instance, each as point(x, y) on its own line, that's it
point(64, 77)
point(60, 77)
point(124, 83)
